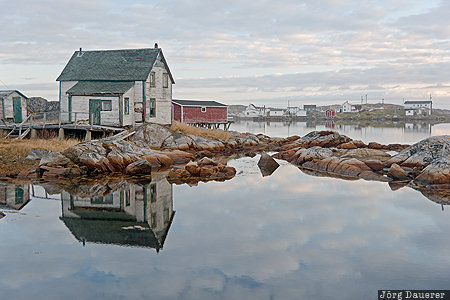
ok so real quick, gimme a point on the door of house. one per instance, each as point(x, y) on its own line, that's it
point(95, 108)
point(17, 109)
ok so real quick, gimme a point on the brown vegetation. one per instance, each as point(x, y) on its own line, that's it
point(13, 152)
point(201, 132)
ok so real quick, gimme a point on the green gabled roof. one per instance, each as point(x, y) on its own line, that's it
point(111, 65)
point(100, 87)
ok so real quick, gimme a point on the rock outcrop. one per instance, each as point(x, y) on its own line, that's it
point(205, 169)
point(267, 165)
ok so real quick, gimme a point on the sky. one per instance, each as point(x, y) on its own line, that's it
point(240, 52)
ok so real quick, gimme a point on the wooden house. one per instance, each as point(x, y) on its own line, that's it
point(199, 112)
point(253, 111)
point(414, 108)
point(13, 106)
point(116, 88)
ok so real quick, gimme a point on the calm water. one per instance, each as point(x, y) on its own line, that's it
point(398, 133)
point(285, 236)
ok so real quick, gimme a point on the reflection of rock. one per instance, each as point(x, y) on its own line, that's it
point(1, 215)
point(437, 193)
point(204, 169)
point(267, 165)
point(396, 185)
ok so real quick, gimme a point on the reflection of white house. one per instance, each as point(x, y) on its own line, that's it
point(295, 111)
point(14, 196)
point(132, 214)
point(415, 108)
point(254, 111)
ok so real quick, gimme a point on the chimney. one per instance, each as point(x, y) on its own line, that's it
point(80, 53)
point(156, 45)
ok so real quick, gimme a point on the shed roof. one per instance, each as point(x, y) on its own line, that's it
point(6, 93)
point(198, 103)
point(112, 65)
point(100, 87)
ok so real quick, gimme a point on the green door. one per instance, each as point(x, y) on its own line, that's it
point(95, 107)
point(17, 109)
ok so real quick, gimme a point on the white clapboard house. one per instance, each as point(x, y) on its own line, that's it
point(13, 106)
point(117, 88)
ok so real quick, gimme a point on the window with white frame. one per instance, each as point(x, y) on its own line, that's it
point(152, 79)
point(203, 109)
point(152, 107)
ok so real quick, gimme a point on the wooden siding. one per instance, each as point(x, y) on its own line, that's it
point(64, 86)
point(162, 95)
point(8, 108)
point(107, 118)
point(194, 114)
point(177, 112)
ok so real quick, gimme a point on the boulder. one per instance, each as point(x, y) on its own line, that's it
point(396, 172)
point(323, 139)
point(139, 167)
point(193, 169)
point(205, 161)
point(375, 164)
point(36, 154)
point(267, 165)
point(178, 173)
point(421, 154)
point(375, 145)
point(348, 145)
point(54, 159)
point(152, 134)
point(437, 172)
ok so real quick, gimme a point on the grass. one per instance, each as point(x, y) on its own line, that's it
point(201, 132)
point(13, 152)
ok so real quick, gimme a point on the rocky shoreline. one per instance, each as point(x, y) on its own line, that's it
point(189, 158)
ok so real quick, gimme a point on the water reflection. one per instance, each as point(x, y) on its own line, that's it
point(120, 213)
point(368, 131)
point(14, 196)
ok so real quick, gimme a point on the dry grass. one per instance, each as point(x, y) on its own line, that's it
point(205, 133)
point(13, 152)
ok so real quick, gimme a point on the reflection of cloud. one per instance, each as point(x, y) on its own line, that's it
point(247, 238)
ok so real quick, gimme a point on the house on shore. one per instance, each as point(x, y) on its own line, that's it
point(13, 106)
point(346, 107)
point(310, 107)
point(418, 108)
point(275, 112)
point(253, 111)
point(295, 111)
point(116, 88)
point(199, 112)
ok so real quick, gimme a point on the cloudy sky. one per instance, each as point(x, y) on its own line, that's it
point(265, 52)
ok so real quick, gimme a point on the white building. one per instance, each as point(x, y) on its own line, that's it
point(295, 111)
point(254, 111)
point(116, 87)
point(416, 108)
point(13, 106)
point(275, 112)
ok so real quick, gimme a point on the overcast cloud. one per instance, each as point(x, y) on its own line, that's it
point(325, 51)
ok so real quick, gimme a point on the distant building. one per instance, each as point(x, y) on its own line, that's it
point(254, 111)
point(275, 112)
point(329, 113)
point(346, 107)
point(13, 106)
point(199, 112)
point(295, 111)
point(310, 107)
point(418, 108)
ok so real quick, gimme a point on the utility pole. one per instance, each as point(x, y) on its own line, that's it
point(366, 98)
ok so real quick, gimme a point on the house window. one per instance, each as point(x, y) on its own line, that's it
point(153, 193)
point(126, 106)
point(152, 107)
point(152, 79)
point(127, 197)
point(203, 109)
point(106, 105)
point(165, 80)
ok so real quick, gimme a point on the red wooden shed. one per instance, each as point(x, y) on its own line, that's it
point(199, 112)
